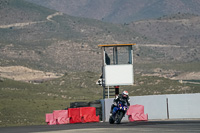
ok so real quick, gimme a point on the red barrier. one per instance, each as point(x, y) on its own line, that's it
point(139, 117)
point(135, 109)
point(74, 115)
point(136, 113)
point(49, 119)
point(61, 116)
point(88, 114)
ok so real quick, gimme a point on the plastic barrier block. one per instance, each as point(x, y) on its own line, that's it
point(130, 118)
point(74, 115)
point(138, 117)
point(135, 109)
point(62, 120)
point(136, 113)
point(49, 119)
point(61, 116)
point(90, 118)
point(88, 114)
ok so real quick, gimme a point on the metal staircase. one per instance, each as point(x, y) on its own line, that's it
point(109, 92)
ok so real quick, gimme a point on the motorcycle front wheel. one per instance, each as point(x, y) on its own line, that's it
point(111, 120)
point(119, 117)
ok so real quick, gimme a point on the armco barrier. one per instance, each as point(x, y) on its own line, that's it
point(88, 114)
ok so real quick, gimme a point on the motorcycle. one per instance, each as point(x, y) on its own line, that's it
point(121, 110)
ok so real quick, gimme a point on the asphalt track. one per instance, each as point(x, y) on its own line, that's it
point(178, 126)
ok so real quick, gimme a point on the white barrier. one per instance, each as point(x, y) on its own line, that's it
point(154, 106)
point(175, 106)
point(184, 106)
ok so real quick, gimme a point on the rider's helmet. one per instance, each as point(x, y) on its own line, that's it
point(125, 94)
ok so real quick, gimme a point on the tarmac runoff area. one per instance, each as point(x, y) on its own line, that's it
point(166, 126)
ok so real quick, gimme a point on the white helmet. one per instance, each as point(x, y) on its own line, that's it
point(125, 93)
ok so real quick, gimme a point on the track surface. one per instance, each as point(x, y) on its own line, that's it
point(189, 126)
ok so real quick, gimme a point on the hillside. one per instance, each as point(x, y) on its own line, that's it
point(178, 35)
point(59, 55)
point(45, 39)
point(26, 104)
point(120, 11)
point(51, 41)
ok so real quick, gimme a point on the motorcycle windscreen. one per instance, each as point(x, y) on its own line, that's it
point(118, 75)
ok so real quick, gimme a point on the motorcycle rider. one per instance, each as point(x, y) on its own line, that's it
point(124, 98)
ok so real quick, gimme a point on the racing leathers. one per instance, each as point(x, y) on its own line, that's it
point(124, 100)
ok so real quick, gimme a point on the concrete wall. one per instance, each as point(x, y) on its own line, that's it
point(184, 106)
point(154, 106)
point(176, 106)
